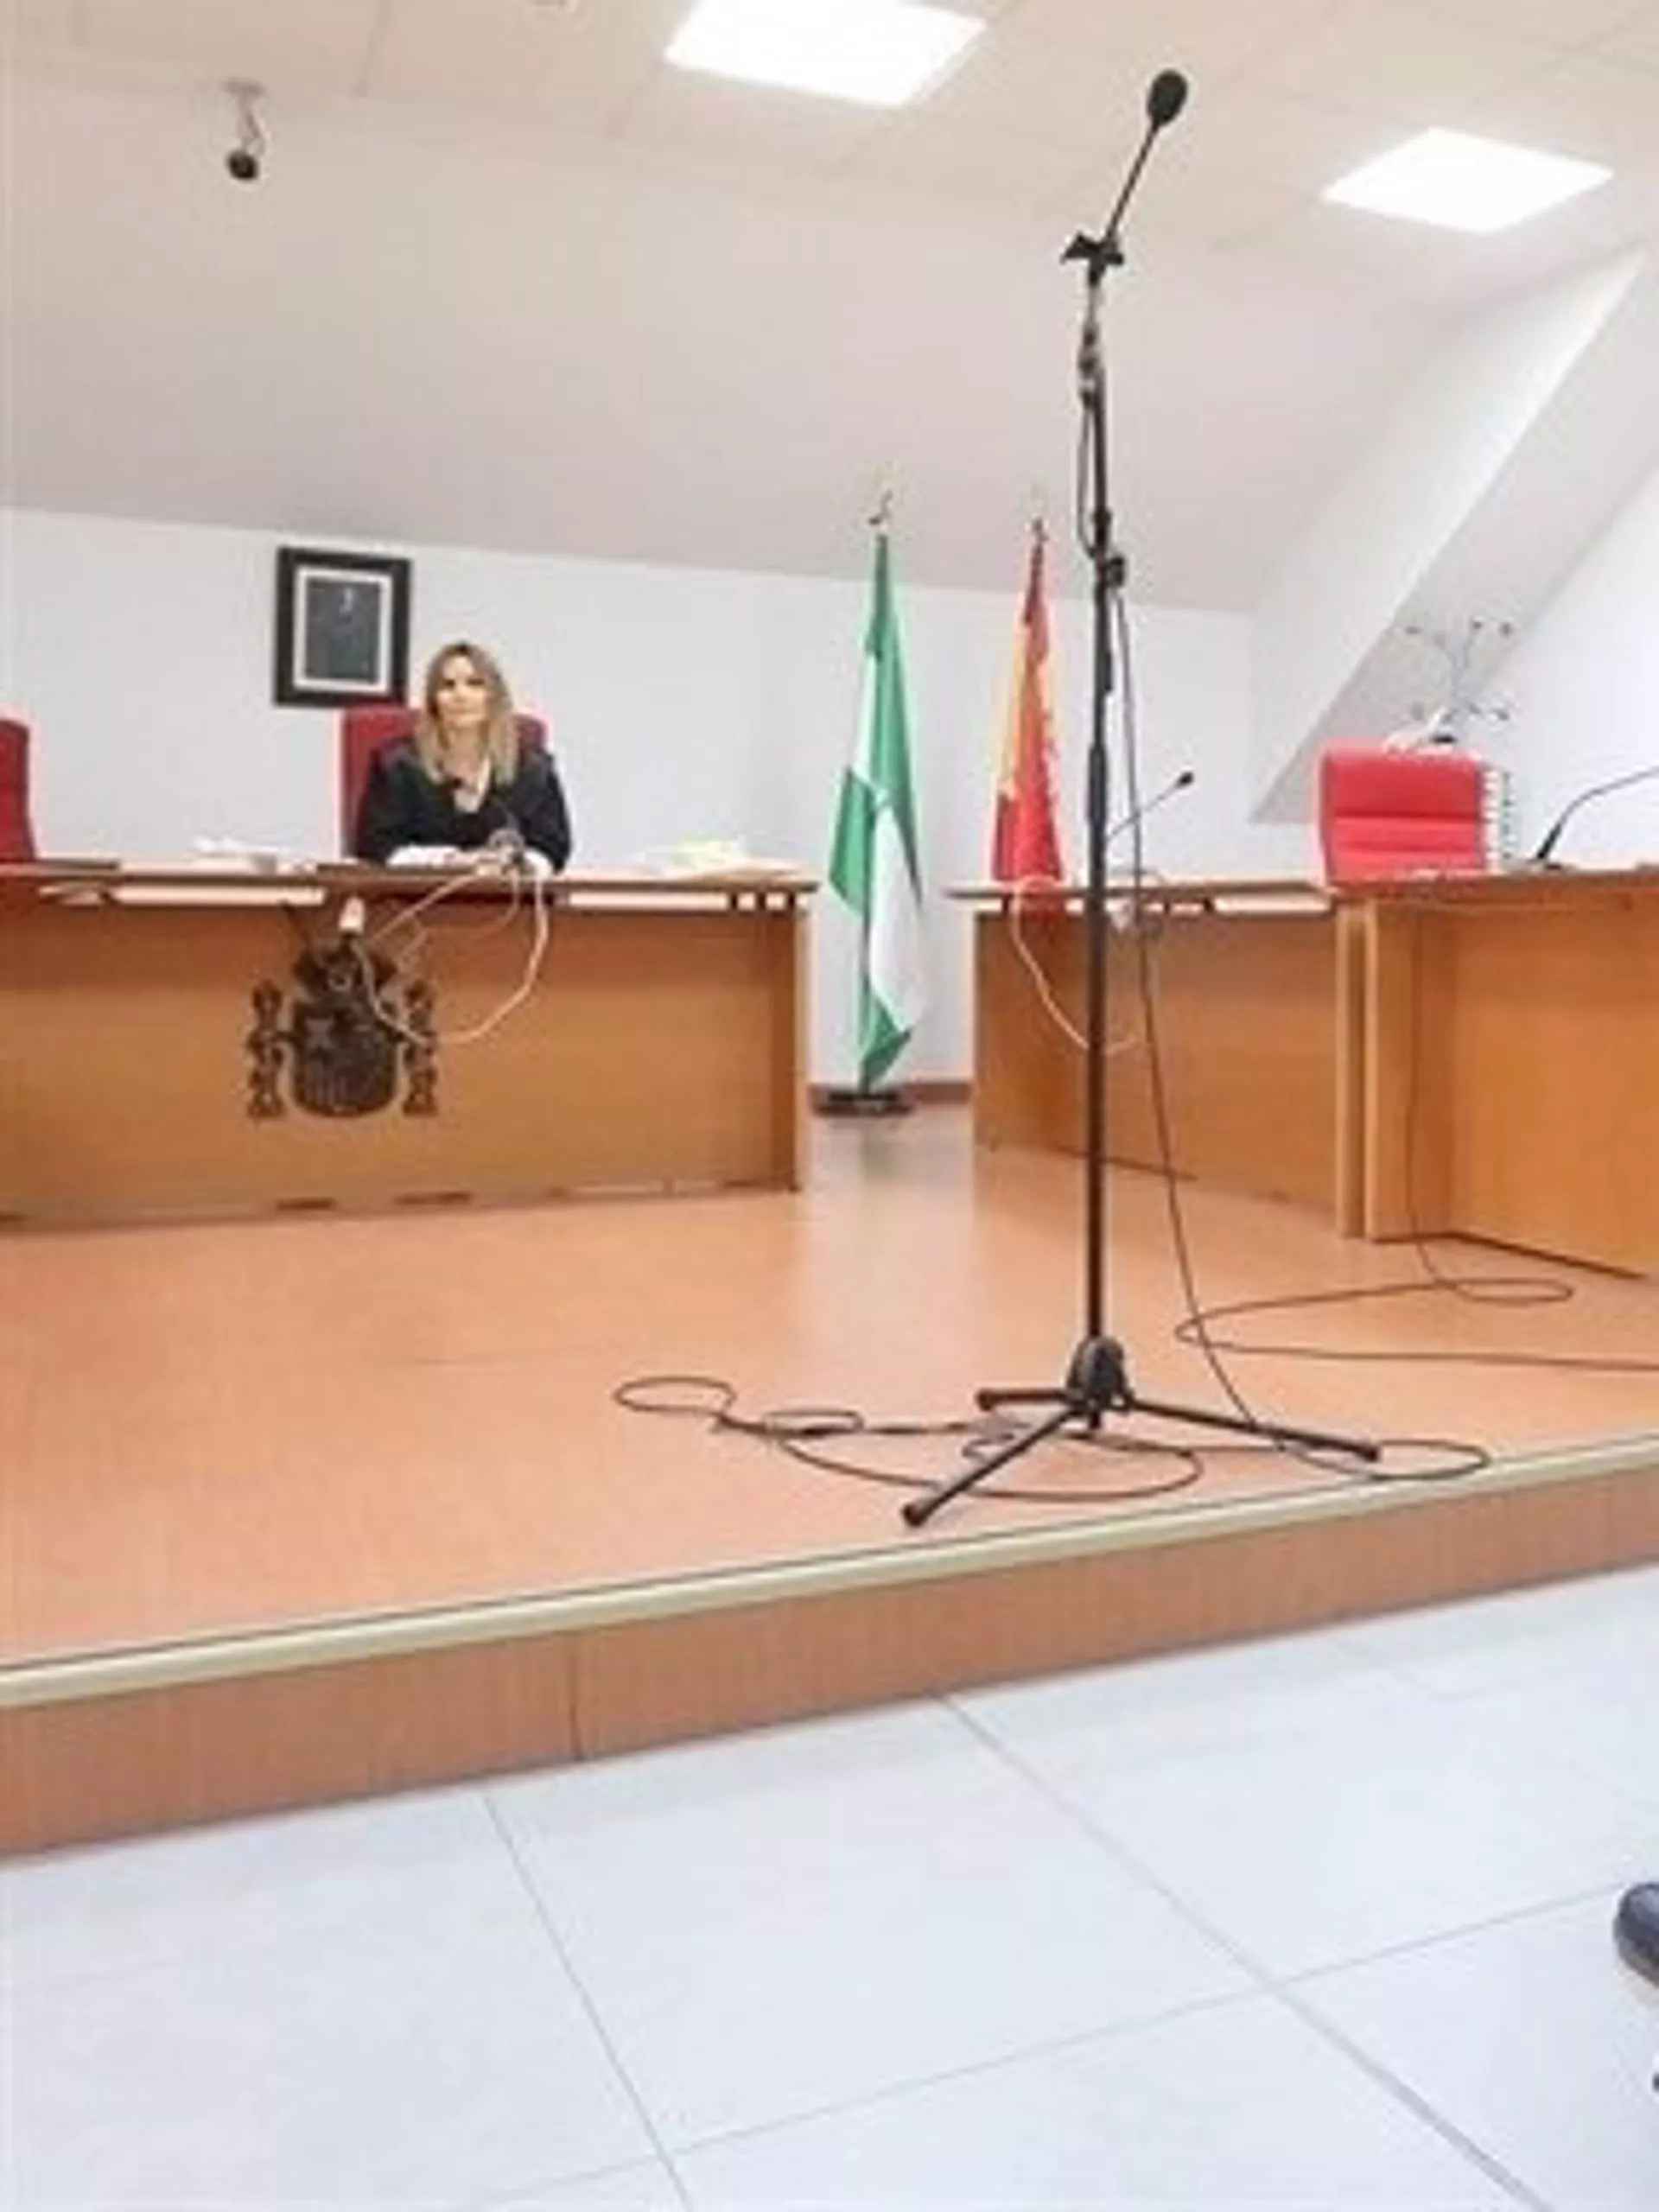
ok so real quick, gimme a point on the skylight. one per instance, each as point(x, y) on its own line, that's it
point(1464, 183)
point(880, 52)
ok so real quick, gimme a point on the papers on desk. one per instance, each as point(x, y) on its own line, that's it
point(213, 895)
point(721, 856)
point(230, 875)
point(230, 856)
point(234, 874)
point(433, 856)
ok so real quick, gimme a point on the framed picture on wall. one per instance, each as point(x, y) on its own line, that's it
point(341, 627)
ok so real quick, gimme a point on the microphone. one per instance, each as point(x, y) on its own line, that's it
point(1544, 854)
point(1165, 98)
point(1137, 815)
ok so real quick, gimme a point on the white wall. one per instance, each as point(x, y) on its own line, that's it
point(1584, 689)
point(684, 702)
point(1386, 530)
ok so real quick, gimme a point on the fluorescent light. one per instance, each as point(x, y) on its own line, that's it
point(880, 52)
point(1464, 183)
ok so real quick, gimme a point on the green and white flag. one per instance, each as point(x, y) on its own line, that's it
point(874, 865)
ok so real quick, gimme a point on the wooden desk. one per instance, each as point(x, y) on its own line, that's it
point(1246, 980)
point(662, 1044)
point(1471, 1055)
point(1501, 1048)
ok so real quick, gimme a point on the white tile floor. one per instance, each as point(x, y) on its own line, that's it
point(1320, 1922)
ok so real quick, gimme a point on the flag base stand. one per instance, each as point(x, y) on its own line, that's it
point(849, 1101)
point(1097, 1382)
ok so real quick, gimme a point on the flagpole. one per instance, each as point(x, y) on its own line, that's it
point(1096, 1381)
point(875, 864)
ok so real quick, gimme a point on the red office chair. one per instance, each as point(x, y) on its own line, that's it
point(1392, 814)
point(16, 836)
point(364, 730)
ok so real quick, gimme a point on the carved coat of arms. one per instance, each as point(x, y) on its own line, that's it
point(349, 1037)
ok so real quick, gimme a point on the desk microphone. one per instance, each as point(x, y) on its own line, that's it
point(1137, 815)
point(1544, 855)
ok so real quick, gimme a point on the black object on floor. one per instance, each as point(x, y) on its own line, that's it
point(1636, 1930)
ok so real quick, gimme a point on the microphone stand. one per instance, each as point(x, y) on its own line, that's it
point(1096, 1381)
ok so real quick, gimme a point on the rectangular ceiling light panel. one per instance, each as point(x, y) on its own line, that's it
point(880, 52)
point(1464, 183)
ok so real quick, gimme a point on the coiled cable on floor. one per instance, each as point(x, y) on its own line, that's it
point(802, 1431)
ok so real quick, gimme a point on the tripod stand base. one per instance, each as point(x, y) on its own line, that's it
point(1097, 1383)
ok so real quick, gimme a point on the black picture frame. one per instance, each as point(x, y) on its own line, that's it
point(341, 627)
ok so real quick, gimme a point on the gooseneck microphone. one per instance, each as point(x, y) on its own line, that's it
point(1137, 815)
point(1165, 98)
point(1544, 855)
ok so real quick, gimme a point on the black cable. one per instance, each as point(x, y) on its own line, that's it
point(1459, 1459)
point(1187, 1331)
point(1175, 1212)
point(1193, 1330)
point(1474, 1290)
point(798, 1430)
point(1516, 1292)
point(795, 1430)
point(1080, 492)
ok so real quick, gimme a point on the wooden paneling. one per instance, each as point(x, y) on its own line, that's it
point(255, 1742)
point(1352, 1064)
point(647, 1682)
point(78, 1769)
point(660, 1045)
point(1477, 1056)
point(1244, 998)
point(1405, 1095)
point(1514, 1027)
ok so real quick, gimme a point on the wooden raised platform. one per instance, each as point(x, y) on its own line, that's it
point(301, 1509)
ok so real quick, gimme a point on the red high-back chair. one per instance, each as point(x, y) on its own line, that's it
point(364, 730)
point(17, 835)
point(1392, 814)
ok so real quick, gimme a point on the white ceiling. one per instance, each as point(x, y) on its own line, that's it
point(511, 280)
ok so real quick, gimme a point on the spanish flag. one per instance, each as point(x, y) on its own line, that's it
point(1024, 842)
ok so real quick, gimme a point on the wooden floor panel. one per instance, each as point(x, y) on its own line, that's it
point(239, 1426)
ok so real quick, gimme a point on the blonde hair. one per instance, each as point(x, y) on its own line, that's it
point(501, 729)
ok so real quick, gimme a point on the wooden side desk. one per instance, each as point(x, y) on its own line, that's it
point(1500, 1049)
point(661, 1046)
point(1475, 1055)
point(1245, 973)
